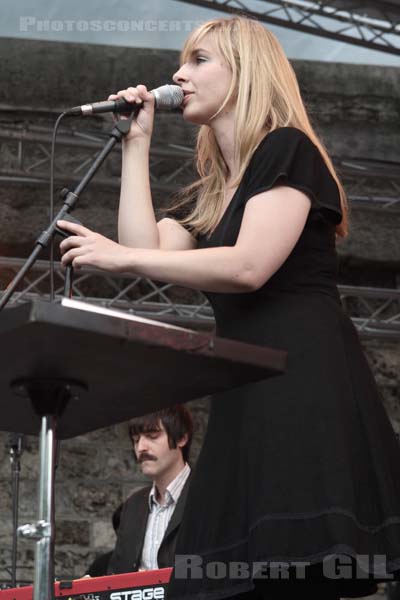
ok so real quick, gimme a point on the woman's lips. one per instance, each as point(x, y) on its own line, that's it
point(187, 95)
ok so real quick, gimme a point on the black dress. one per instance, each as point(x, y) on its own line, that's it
point(306, 464)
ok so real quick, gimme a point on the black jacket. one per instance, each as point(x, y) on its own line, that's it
point(132, 529)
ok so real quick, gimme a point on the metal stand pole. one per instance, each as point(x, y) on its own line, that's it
point(49, 398)
point(44, 552)
point(43, 530)
point(15, 446)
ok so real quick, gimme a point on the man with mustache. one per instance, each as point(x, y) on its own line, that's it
point(151, 517)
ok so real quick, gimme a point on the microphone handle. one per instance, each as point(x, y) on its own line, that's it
point(120, 106)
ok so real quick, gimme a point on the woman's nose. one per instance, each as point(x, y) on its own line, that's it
point(179, 77)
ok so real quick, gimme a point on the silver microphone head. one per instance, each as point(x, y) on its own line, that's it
point(168, 96)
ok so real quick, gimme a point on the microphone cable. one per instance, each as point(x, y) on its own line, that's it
point(51, 201)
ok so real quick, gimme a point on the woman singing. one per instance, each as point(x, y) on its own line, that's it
point(297, 489)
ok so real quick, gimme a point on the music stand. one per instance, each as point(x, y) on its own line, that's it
point(67, 370)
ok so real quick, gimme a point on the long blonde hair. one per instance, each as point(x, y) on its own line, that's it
point(268, 97)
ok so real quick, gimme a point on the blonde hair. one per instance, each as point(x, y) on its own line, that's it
point(268, 97)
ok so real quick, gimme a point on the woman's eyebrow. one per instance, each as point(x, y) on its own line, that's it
point(193, 53)
point(196, 50)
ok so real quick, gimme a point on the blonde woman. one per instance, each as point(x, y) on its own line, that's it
point(305, 465)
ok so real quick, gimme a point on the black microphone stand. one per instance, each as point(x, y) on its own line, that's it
point(69, 270)
point(15, 446)
point(120, 129)
point(50, 396)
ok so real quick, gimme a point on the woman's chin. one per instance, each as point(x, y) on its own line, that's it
point(196, 119)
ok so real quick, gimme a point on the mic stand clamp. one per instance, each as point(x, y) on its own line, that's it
point(35, 531)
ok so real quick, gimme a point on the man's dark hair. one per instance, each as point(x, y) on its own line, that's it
point(176, 420)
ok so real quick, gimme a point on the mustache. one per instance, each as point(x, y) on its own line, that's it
point(145, 456)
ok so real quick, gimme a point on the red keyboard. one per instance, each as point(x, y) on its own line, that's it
point(143, 585)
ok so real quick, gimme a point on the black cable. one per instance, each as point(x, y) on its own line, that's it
point(51, 207)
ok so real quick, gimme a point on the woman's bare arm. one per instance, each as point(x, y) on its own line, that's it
point(271, 226)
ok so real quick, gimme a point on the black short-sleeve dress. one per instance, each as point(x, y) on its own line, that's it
point(306, 464)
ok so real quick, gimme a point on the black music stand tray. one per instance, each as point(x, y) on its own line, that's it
point(67, 370)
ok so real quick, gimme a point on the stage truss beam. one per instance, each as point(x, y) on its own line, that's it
point(374, 311)
point(25, 152)
point(373, 25)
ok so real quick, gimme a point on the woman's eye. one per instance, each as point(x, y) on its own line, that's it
point(200, 59)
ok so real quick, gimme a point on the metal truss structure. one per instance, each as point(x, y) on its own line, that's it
point(25, 152)
point(26, 149)
point(370, 183)
point(374, 311)
point(368, 23)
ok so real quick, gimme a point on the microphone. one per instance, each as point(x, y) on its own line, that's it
point(166, 96)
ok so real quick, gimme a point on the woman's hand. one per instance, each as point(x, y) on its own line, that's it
point(89, 249)
point(142, 125)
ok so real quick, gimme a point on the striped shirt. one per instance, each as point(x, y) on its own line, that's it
point(159, 517)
